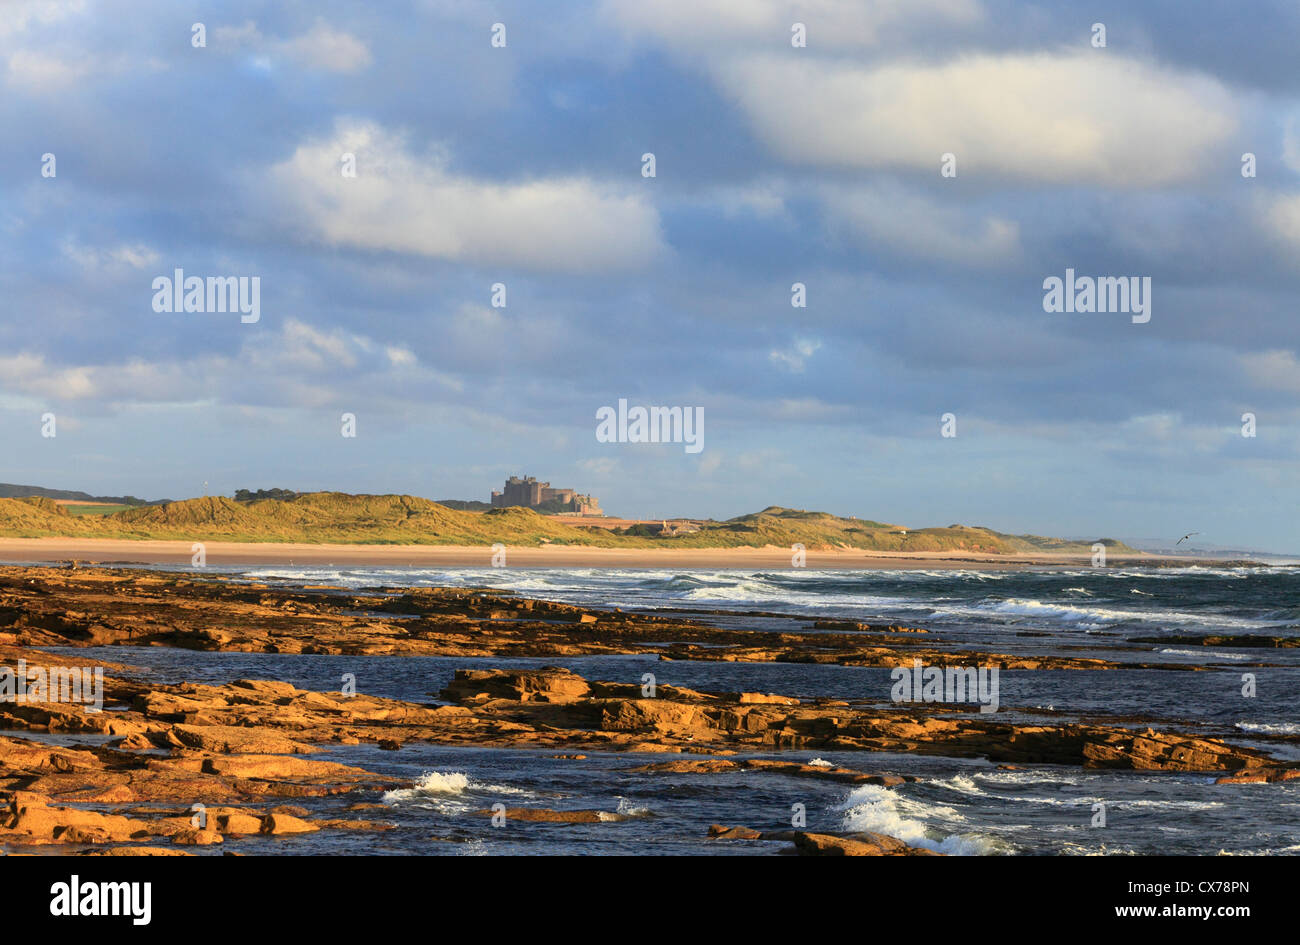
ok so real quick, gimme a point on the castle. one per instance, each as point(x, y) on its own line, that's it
point(531, 494)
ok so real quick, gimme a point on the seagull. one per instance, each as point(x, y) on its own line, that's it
point(1184, 538)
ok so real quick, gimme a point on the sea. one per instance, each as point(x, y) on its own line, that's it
point(960, 806)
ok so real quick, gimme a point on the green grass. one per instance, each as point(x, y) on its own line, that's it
point(340, 518)
point(78, 510)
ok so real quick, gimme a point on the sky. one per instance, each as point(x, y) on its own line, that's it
point(921, 167)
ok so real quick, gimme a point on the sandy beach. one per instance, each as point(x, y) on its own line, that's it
point(123, 551)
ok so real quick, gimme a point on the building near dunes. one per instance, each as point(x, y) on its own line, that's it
point(530, 494)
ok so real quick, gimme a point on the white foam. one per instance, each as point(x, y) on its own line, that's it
point(1170, 651)
point(1103, 616)
point(449, 792)
point(876, 809)
point(626, 809)
point(1270, 728)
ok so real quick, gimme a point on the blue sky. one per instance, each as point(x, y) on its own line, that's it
point(774, 165)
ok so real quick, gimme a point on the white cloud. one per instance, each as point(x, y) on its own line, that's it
point(1076, 117)
point(1277, 369)
point(1291, 142)
point(125, 256)
point(321, 47)
point(51, 71)
point(917, 226)
point(32, 374)
point(329, 49)
point(1280, 215)
point(41, 71)
point(794, 358)
point(416, 204)
point(808, 410)
point(1154, 427)
point(834, 24)
point(400, 356)
point(605, 466)
point(245, 34)
point(17, 16)
point(303, 363)
point(763, 199)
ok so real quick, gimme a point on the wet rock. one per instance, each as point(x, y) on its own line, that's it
point(276, 824)
point(860, 844)
point(549, 684)
point(238, 822)
point(1260, 776)
point(197, 838)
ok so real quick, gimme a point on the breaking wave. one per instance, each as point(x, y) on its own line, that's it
point(876, 809)
point(449, 792)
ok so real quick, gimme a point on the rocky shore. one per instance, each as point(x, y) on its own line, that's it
point(100, 607)
point(165, 768)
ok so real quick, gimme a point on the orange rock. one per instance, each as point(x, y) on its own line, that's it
point(285, 823)
point(196, 838)
point(862, 844)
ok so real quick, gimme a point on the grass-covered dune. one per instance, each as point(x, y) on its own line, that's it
point(340, 518)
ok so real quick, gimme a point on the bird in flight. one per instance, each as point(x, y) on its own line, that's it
point(1184, 538)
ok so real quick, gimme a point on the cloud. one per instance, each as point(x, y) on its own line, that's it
point(910, 224)
point(31, 374)
point(125, 256)
point(322, 47)
point(40, 71)
point(1277, 369)
point(44, 54)
point(807, 410)
point(710, 463)
point(604, 467)
point(1291, 141)
point(1280, 216)
point(413, 204)
point(1091, 117)
point(794, 357)
point(762, 199)
point(20, 15)
point(835, 24)
point(299, 365)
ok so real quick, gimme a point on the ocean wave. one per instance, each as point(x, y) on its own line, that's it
point(627, 809)
point(449, 792)
point(874, 809)
point(961, 784)
point(1104, 616)
point(1171, 651)
point(1021, 777)
point(1269, 728)
point(1079, 599)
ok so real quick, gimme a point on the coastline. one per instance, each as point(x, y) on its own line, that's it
point(277, 758)
point(107, 551)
